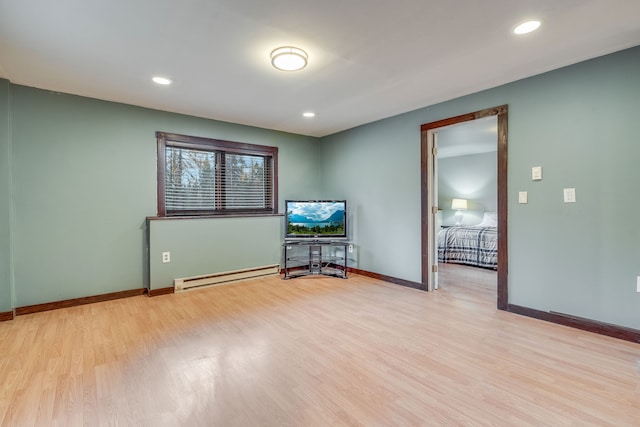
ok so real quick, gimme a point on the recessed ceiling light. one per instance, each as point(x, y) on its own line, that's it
point(289, 58)
point(309, 114)
point(527, 27)
point(161, 80)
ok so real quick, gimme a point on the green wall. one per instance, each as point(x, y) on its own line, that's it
point(579, 123)
point(84, 180)
point(376, 168)
point(206, 246)
point(6, 303)
point(78, 177)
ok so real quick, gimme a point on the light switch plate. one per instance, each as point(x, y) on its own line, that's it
point(536, 173)
point(569, 195)
point(522, 197)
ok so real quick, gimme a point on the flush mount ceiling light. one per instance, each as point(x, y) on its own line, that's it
point(526, 27)
point(309, 114)
point(161, 80)
point(289, 58)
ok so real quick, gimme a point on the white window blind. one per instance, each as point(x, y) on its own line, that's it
point(247, 182)
point(190, 179)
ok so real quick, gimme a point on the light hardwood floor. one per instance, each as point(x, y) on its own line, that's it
point(312, 352)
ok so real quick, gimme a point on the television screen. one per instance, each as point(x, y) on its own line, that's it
point(316, 219)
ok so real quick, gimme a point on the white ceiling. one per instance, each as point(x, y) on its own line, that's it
point(472, 137)
point(368, 59)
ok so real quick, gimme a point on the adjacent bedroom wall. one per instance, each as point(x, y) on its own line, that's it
point(84, 181)
point(580, 123)
point(473, 177)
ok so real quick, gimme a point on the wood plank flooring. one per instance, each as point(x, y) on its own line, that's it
point(312, 352)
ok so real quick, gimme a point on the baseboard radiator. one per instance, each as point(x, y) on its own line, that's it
point(225, 277)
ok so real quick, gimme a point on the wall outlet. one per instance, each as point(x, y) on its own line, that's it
point(166, 257)
point(351, 251)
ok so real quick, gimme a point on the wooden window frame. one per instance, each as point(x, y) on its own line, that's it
point(165, 140)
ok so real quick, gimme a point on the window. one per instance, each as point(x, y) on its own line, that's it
point(203, 177)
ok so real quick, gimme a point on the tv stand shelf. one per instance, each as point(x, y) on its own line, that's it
point(304, 258)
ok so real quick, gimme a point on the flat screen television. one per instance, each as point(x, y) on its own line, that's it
point(316, 219)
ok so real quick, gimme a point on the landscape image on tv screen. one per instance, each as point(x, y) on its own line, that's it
point(316, 219)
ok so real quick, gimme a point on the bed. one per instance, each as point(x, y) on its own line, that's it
point(470, 245)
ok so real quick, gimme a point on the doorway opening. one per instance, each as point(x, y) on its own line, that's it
point(431, 219)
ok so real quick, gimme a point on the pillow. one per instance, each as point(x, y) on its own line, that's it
point(490, 219)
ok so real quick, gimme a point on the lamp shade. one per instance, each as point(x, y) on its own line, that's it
point(457, 204)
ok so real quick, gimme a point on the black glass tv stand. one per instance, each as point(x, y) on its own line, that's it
point(315, 257)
